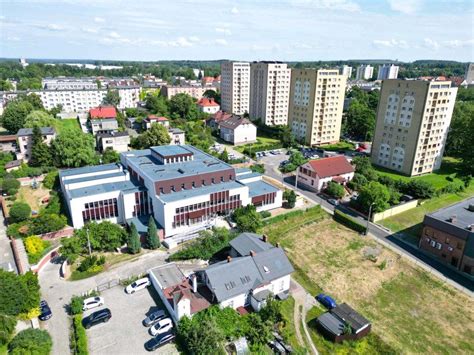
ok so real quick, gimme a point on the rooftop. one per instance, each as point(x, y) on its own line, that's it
point(96, 177)
point(259, 188)
point(331, 323)
point(245, 242)
point(90, 169)
point(235, 122)
point(168, 275)
point(7, 138)
point(128, 186)
point(46, 131)
point(463, 217)
point(203, 190)
point(331, 166)
point(112, 134)
point(206, 102)
point(349, 315)
point(156, 118)
point(170, 150)
point(103, 112)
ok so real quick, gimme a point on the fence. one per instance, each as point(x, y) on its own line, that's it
point(106, 285)
point(394, 210)
point(65, 232)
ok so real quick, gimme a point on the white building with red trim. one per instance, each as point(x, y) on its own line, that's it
point(208, 105)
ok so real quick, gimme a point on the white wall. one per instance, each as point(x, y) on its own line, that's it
point(245, 133)
point(277, 204)
point(234, 302)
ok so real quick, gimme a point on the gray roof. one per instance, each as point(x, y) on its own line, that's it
point(127, 186)
point(175, 130)
point(331, 323)
point(112, 134)
point(167, 275)
point(95, 177)
point(170, 150)
point(47, 131)
point(13, 164)
point(89, 169)
point(245, 242)
point(203, 190)
point(248, 175)
point(349, 315)
point(259, 188)
point(234, 122)
point(273, 264)
point(239, 171)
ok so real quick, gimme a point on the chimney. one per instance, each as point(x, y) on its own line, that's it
point(265, 238)
point(229, 258)
point(252, 253)
point(195, 284)
point(452, 219)
point(470, 227)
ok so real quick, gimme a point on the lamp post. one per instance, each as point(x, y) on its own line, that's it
point(368, 218)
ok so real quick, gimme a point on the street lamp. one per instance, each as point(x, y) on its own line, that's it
point(368, 218)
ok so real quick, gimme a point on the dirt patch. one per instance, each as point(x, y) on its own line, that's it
point(36, 198)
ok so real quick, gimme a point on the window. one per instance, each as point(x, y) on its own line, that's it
point(193, 184)
point(183, 186)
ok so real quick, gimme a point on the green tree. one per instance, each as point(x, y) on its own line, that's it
point(112, 98)
point(104, 236)
point(287, 138)
point(40, 152)
point(336, 190)
point(157, 105)
point(152, 236)
point(18, 293)
point(364, 167)
point(47, 222)
point(259, 331)
point(7, 327)
point(211, 94)
point(19, 211)
point(156, 135)
point(15, 113)
point(360, 121)
point(110, 156)
point(201, 337)
point(34, 100)
point(40, 119)
point(31, 341)
point(258, 168)
point(290, 197)
point(198, 135)
point(134, 240)
point(10, 185)
point(74, 149)
point(376, 193)
point(420, 189)
point(184, 106)
point(224, 156)
point(51, 179)
point(5, 85)
point(248, 219)
point(357, 182)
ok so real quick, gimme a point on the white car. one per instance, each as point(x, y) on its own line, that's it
point(138, 285)
point(92, 302)
point(161, 327)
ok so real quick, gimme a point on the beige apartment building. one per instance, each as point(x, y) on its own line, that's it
point(316, 103)
point(235, 87)
point(269, 92)
point(413, 118)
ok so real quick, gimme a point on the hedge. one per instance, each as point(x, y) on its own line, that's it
point(348, 221)
point(80, 336)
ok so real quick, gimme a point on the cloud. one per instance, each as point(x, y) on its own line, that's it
point(408, 7)
point(99, 19)
point(51, 27)
point(234, 11)
point(89, 30)
point(114, 34)
point(225, 31)
point(181, 42)
point(194, 39)
point(344, 5)
point(221, 42)
point(301, 46)
point(456, 43)
point(13, 38)
point(390, 43)
point(430, 43)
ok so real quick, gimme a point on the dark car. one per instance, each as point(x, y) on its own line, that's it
point(101, 316)
point(154, 317)
point(45, 311)
point(159, 341)
point(326, 301)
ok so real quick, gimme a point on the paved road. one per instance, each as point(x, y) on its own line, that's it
point(433, 266)
point(58, 292)
point(7, 260)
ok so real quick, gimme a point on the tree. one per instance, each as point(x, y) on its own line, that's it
point(224, 156)
point(112, 98)
point(201, 337)
point(290, 197)
point(357, 182)
point(20, 211)
point(31, 341)
point(259, 331)
point(19, 294)
point(198, 135)
point(248, 219)
point(5, 85)
point(10, 185)
point(211, 94)
point(15, 113)
point(104, 236)
point(336, 190)
point(184, 106)
point(74, 149)
point(47, 222)
point(360, 120)
point(40, 152)
point(152, 236)
point(134, 240)
point(258, 168)
point(51, 179)
point(34, 100)
point(420, 189)
point(287, 138)
point(7, 327)
point(40, 119)
point(156, 135)
point(364, 167)
point(110, 156)
point(376, 193)
point(157, 105)
point(297, 159)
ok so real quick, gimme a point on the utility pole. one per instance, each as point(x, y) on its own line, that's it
point(368, 218)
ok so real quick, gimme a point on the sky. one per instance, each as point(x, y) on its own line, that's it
point(287, 30)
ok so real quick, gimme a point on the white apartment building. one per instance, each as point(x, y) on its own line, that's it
point(235, 87)
point(197, 92)
point(387, 71)
point(25, 140)
point(316, 104)
point(68, 83)
point(118, 141)
point(413, 118)
point(364, 72)
point(269, 92)
point(346, 70)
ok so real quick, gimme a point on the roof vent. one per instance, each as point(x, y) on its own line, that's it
point(470, 227)
point(471, 207)
point(452, 219)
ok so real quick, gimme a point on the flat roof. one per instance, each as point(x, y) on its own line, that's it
point(248, 175)
point(89, 169)
point(203, 190)
point(95, 177)
point(240, 171)
point(103, 188)
point(170, 150)
point(460, 210)
point(167, 275)
point(331, 323)
point(259, 188)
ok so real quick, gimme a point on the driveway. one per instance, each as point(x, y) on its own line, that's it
point(58, 292)
point(7, 261)
point(125, 333)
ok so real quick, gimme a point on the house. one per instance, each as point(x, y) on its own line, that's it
point(25, 140)
point(13, 165)
point(217, 118)
point(245, 280)
point(118, 141)
point(316, 174)
point(238, 130)
point(183, 188)
point(207, 105)
point(103, 119)
point(343, 323)
point(8, 143)
point(177, 136)
point(147, 122)
point(448, 235)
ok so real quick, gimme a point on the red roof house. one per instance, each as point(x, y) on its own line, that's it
point(103, 112)
point(156, 119)
point(208, 105)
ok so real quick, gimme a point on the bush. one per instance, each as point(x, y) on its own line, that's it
point(452, 188)
point(35, 247)
point(247, 219)
point(7, 327)
point(258, 168)
point(75, 307)
point(10, 186)
point(80, 336)
point(336, 190)
point(290, 197)
point(420, 189)
point(348, 221)
point(19, 212)
point(51, 179)
point(265, 214)
point(91, 262)
point(31, 341)
point(19, 294)
point(47, 222)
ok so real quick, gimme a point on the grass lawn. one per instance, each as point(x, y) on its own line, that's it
point(68, 123)
point(338, 146)
point(32, 197)
point(410, 311)
point(259, 145)
point(288, 332)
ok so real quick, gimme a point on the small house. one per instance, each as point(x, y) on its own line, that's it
point(238, 130)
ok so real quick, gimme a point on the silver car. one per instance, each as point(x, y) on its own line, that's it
point(154, 317)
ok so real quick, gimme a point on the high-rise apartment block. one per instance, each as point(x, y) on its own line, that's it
point(413, 118)
point(316, 102)
point(235, 87)
point(470, 74)
point(387, 71)
point(269, 92)
point(364, 72)
point(346, 70)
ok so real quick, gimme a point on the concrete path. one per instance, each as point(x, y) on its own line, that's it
point(7, 260)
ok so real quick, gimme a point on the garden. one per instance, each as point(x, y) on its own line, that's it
point(262, 144)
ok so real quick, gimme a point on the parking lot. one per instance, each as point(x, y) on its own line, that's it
point(124, 333)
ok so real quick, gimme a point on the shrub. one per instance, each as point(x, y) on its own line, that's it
point(47, 222)
point(265, 214)
point(34, 245)
point(290, 197)
point(7, 327)
point(19, 212)
point(258, 168)
point(31, 341)
point(75, 307)
point(420, 189)
point(348, 221)
point(336, 190)
point(10, 185)
point(51, 179)
point(91, 262)
point(452, 188)
point(80, 336)
point(247, 219)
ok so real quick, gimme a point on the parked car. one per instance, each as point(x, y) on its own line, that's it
point(154, 317)
point(92, 302)
point(138, 285)
point(45, 311)
point(100, 316)
point(326, 301)
point(159, 341)
point(333, 202)
point(163, 326)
